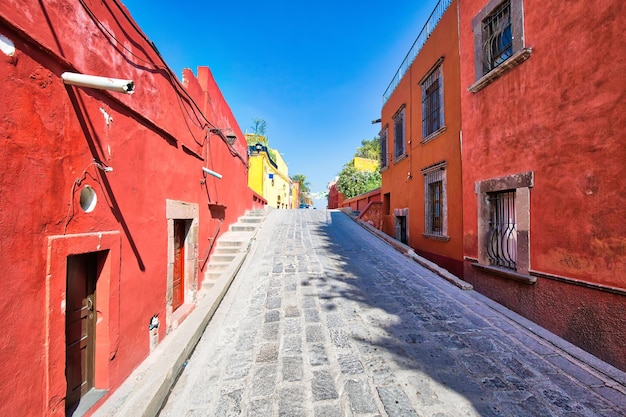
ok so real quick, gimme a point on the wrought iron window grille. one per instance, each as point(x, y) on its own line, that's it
point(502, 234)
point(383, 149)
point(497, 37)
point(432, 103)
point(398, 127)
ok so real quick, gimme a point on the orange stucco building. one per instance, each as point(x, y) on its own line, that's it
point(421, 145)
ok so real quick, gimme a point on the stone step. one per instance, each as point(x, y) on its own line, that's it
point(222, 257)
point(228, 250)
point(211, 277)
point(232, 244)
point(251, 219)
point(238, 227)
point(217, 266)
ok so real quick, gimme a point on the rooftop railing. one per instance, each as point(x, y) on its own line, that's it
point(429, 26)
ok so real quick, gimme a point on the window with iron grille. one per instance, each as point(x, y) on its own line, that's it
point(383, 148)
point(502, 235)
point(432, 102)
point(497, 37)
point(499, 44)
point(435, 210)
point(398, 131)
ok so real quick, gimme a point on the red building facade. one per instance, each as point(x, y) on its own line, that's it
point(109, 200)
point(335, 198)
point(421, 145)
point(544, 157)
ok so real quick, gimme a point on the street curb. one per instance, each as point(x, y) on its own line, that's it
point(146, 389)
point(409, 252)
point(614, 377)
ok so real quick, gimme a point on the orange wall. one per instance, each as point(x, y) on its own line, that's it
point(404, 180)
point(561, 115)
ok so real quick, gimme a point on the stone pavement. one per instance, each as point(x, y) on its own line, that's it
point(324, 319)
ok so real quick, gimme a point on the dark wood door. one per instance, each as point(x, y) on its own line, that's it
point(80, 325)
point(178, 285)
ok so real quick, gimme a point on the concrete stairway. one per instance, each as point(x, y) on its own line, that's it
point(231, 247)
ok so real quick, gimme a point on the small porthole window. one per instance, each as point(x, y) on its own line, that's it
point(88, 199)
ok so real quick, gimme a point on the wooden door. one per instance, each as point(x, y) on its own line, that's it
point(80, 326)
point(178, 285)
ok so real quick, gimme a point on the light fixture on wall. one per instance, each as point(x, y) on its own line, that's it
point(99, 83)
point(229, 137)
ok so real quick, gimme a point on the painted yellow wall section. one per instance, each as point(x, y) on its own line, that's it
point(364, 164)
point(255, 173)
point(275, 189)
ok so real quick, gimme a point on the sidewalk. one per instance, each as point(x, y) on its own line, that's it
point(325, 320)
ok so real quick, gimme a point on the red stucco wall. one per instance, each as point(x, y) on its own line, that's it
point(334, 197)
point(561, 115)
point(155, 140)
point(402, 179)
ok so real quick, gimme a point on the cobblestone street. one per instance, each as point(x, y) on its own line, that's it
point(325, 319)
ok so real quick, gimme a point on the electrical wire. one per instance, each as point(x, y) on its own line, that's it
point(170, 76)
point(184, 99)
point(173, 79)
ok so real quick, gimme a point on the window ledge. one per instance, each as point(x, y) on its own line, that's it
point(433, 135)
point(385, 168)
point(506, 273)
point(400, 158)
point(442, 238)
point(500, 70)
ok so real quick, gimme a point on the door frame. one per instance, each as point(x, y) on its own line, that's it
point(190, 213)
point(107, 326)
point(403, 212)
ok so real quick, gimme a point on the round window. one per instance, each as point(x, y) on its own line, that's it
point(88, 199)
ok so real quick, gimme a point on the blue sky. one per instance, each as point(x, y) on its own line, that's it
point(315, 72)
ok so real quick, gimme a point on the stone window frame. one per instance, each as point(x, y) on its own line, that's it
point(520, 52)
point(426, 81)
point(383, 148)
point(399, 117)
point(434, 173)
point(521, 183)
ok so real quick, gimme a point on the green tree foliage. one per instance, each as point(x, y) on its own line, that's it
point(369, 149)
point(303, 197)
point(353, 182)
point(259, 133)
point(259, 127)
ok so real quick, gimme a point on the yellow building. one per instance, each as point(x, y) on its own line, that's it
point(268, 175)
point(364, 164)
